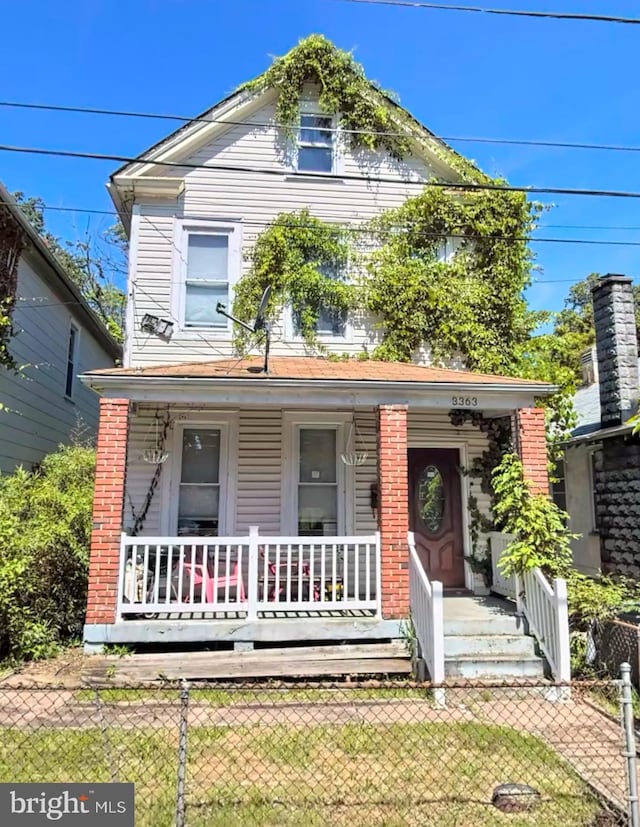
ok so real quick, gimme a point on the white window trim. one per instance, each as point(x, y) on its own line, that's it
point(73, 361)
point(292, 421)
point(326, 338)
point(227, 423)
point(193, 226)
point(312, 108)
point(592, 488)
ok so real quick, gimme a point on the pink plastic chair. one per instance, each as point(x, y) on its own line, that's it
point(202, 576)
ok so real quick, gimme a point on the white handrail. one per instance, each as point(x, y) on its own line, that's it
point(545, 607)
point(427, 614)
point(248, 575)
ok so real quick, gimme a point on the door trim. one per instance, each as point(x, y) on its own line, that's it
point(462, 447)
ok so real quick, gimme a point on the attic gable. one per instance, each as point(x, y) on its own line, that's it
point(369, 117)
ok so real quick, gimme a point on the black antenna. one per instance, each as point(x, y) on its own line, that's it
point(259, 324)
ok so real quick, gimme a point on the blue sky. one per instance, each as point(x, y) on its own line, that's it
point(461, 74)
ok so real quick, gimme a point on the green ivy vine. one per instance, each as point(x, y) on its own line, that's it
point(12, 243)
point(343, 90)
point(499, 442)
point(447, 271)
point(304, 260)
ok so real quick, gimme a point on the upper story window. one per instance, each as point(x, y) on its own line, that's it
point(315, 143)
point(72, 357)
point(207, 280)
point(330, 322)
point(209, 266)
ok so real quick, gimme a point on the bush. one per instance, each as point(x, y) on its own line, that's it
point(45, 529)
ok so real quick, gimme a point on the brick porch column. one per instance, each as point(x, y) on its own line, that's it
point(108, 500)
point(532, 447)
point(393, 509)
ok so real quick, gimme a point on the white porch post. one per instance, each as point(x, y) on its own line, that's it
point(252, 586)
point(562, 615)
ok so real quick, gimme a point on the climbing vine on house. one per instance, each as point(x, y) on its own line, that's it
point(449, 270)
point(12, 242)
point(304, 260)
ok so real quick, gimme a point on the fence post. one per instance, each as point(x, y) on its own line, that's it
point(252, 590)
point(181, 803)
point(562, 617)
point(630, 744)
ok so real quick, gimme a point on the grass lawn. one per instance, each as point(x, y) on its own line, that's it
point(357, 774)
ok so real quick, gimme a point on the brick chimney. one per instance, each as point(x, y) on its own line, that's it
point(617, 348)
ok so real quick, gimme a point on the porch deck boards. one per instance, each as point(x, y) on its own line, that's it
point(316, 614)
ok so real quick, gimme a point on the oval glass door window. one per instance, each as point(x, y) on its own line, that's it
point(431, 498)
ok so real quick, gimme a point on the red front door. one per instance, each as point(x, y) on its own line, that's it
point(435, 512)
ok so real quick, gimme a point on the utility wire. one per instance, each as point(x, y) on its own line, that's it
point(342, 130)
point(363, 179)
point(552, 15)
point(392, 229)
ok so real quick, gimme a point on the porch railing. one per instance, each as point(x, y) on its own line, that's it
point(545, 607)
point(427, 614)
point(248, 575)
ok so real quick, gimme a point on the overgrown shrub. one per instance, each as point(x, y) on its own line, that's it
point(45, 528)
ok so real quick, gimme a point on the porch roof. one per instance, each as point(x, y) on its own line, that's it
point(311, 368)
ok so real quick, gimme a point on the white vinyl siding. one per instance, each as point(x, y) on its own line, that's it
point(260, 462)
point(38, 417)
point(254, 200)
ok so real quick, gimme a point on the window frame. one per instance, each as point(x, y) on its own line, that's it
point(226, 424)
point(71, 361)
point(312, 109)
point(184, 228)
point(292, 334)
point(293, 422)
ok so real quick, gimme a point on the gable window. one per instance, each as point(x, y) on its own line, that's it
point(71, 362)
point(199, 487)
point(315, 143)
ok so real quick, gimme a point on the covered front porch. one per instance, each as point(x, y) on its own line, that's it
point(237, 507)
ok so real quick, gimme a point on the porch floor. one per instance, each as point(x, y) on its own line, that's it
point(316, 614)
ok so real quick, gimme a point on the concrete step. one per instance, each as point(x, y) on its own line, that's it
point(472, 666)
point(489, 645)
point(470, 616)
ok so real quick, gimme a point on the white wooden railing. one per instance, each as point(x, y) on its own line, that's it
point(249, 575)
point(498, 542)
point(427, 614)
point(545, 607)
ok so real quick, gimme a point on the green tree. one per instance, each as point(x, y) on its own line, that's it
point(93, 263)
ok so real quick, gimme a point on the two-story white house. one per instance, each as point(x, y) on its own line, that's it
point(235, 505)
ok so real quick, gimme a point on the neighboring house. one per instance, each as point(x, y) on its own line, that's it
point(601, 485)
point(295, 471)
point(56, 337)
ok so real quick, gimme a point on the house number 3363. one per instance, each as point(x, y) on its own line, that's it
point(464, 401)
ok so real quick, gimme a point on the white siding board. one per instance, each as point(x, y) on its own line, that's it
point(39, 416)
point(255, 199)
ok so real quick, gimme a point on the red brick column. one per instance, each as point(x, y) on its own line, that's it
point(532, 447)
point(108, 499)
point(393, 509)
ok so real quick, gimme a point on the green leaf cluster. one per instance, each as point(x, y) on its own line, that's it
point(343, 90)
point(12, 241)
point(305, 261)
point(467, 301)
point(45, 528)
point(542, 539)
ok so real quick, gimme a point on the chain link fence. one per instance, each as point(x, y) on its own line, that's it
point(354, 753)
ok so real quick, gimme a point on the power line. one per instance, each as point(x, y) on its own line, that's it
point(342, 130)
point(363, 179)
point(364, 230)
point(552, 15)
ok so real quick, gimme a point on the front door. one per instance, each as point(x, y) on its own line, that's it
point(435, 512)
